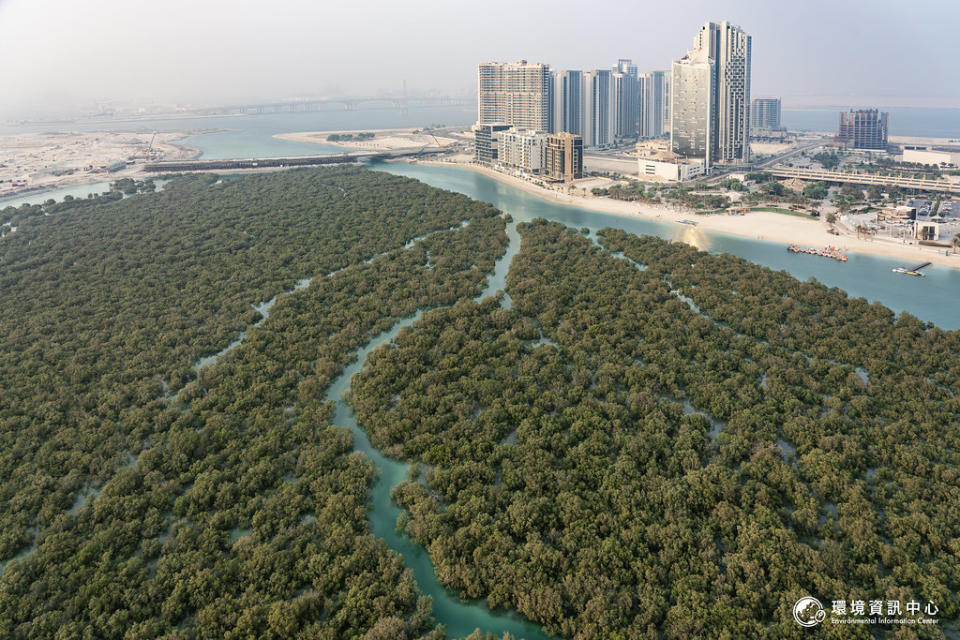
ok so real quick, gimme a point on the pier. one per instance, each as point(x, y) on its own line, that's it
point(913, 271)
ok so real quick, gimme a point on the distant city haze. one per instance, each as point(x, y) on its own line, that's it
point(63, 57)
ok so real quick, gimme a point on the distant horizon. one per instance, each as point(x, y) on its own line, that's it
point(65, 57)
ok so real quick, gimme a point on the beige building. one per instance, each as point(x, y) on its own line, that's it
point(564, 157)
point(516, 93)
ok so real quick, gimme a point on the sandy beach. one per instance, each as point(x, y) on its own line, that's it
point(383, 140)
point(761, 225)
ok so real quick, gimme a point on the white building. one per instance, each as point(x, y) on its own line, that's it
point(676, 170)
point(523, 150)
point(926, 155)
point(693, 91)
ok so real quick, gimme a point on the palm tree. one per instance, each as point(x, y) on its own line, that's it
point(956, 243)
point(861, 228)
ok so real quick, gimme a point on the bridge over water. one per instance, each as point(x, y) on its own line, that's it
point(822, 175)
point(178, 166)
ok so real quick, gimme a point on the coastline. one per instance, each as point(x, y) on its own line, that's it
point(757, 225)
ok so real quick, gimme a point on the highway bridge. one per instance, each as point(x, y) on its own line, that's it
point(226, 164)
point(823, 175)
point(321, 104)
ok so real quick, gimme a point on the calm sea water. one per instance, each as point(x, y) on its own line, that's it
point(904, 121)
point(251, 136)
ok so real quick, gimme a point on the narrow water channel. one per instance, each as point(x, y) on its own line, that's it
point(460, 617)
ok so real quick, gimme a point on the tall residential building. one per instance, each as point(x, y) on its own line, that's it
point(626, 99)
point(765, 114)
point(667, 79)
point(625, 104)
point(692, 107)
point(654, 103)
point(598, 113)
point(564, 157)
point(728, 46)
point(864, 129)
point(568, 101)
point(516, 93)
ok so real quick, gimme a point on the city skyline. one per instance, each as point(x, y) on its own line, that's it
point(219, 53)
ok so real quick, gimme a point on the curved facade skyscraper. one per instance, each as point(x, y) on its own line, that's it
point(726, 49)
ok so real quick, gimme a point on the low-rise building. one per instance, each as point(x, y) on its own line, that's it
point(897, 214)
point(523, 150)
point(486, 138)
point(926, 230)
point(564, 157)
point(673, 169)
point(928, 155)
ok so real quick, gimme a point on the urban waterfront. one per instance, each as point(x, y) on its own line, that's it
point(871, 277)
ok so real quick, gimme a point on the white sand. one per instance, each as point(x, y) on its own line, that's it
point(54, 160)
point(383, 140)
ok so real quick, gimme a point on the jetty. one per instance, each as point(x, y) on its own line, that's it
point(913, 271)
point(826, 252)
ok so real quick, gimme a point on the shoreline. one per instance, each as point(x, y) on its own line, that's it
point(756, 225)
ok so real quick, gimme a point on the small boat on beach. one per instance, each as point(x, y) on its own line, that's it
point(689, 222)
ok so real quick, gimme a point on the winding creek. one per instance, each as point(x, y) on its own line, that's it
point(460, 617)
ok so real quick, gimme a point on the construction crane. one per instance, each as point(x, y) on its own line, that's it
point(150, 146)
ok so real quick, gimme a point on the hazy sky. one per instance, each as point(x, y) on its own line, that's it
point(58, 54)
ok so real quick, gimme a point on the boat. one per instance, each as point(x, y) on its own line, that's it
point(913, 271)
point(826, 252)
point(690, 222)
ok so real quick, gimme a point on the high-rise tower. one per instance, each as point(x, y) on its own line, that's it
point(568, 101)
point(692, 106)
point(598, 114)
point(729, 48)
point(517, 93)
